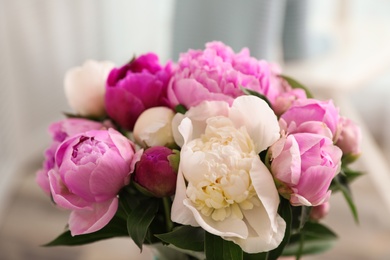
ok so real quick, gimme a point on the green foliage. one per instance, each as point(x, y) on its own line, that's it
point(180, 109)
point(139, 220)
point(295, 84)
point(247, 91)
point(313, 238)
point(185, 237)
point(112, 229)
point(215, 245)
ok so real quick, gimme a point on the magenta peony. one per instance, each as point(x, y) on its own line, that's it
point(136, 86)
point(156, 172)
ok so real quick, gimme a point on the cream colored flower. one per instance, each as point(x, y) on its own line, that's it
point(85, 87)
point(222, 184)
point(154, 127)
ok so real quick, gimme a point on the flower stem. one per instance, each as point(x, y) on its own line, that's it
point(167, 212)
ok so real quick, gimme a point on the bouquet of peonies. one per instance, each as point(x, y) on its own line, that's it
point(217, 156)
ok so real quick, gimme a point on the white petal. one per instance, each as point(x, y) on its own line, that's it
point(185, 129)
point(258, 118)
point(176, 121)
point(179, 212)
point(262, 238)
point(204, 111)
point(265, 188)
point(229, 227)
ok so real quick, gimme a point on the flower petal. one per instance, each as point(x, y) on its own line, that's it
point(109, 176)
point(62, 196)
point(179, 212)
point(258, 118)
point(229, 227)
point(261, 237)
point(88, 221)
point(265, 188)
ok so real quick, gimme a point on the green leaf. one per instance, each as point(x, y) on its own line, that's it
point(342, 185)
point(259, 256)
point(350, 174)
point(247, 91)
point(180, 109)
point(113, 229)
point(314, 238)
point(215, 245)
point(139, 220)
point(285, 212)
point(300, 215)
point(315, 229)
point(185, 237)
point(295, 84)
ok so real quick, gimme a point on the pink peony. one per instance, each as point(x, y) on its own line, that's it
point(136, 86)
point(304, 165)
point(350, 137)
point(59, 131)
point(90, 169)
point(156, 173)
point(311, 116)
point(217, 73)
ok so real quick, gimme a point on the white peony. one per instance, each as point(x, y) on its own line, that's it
point(85, 87)
point(222, 184)
point(154, 127)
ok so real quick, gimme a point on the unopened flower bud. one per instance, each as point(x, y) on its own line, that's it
point(157, 171)
point(154, 127)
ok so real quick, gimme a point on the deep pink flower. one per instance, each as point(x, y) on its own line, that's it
point(155, 171)
point(217, 73)
point(136, 86)
point(90, 169)
point(304, 165)
point(59, 131)
point(311, 116)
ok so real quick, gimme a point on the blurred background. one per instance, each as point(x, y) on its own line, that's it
point(340, 49)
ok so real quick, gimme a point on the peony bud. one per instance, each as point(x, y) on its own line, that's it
point(154, 127)
point(85, 87)
point(320, 211)
point(350, 138)
point(157, 171)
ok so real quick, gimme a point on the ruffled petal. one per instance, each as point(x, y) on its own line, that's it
point(91, 220)
point(265, 188)
point(262, 237)
point(258, 118)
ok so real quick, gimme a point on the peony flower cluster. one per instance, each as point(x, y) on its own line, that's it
point(222, 137)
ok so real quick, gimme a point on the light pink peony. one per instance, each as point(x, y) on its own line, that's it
point(59, 131)
point(217, 73)
point(311, 116)
point(304, 165)
point(350, 137)
point(286, 99)
point(135, 87)
point(90, 169)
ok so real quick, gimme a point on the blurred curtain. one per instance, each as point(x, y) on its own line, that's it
point(256, 24)
point(39, 41)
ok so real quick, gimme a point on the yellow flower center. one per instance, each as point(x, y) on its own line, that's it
point(225, 188)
